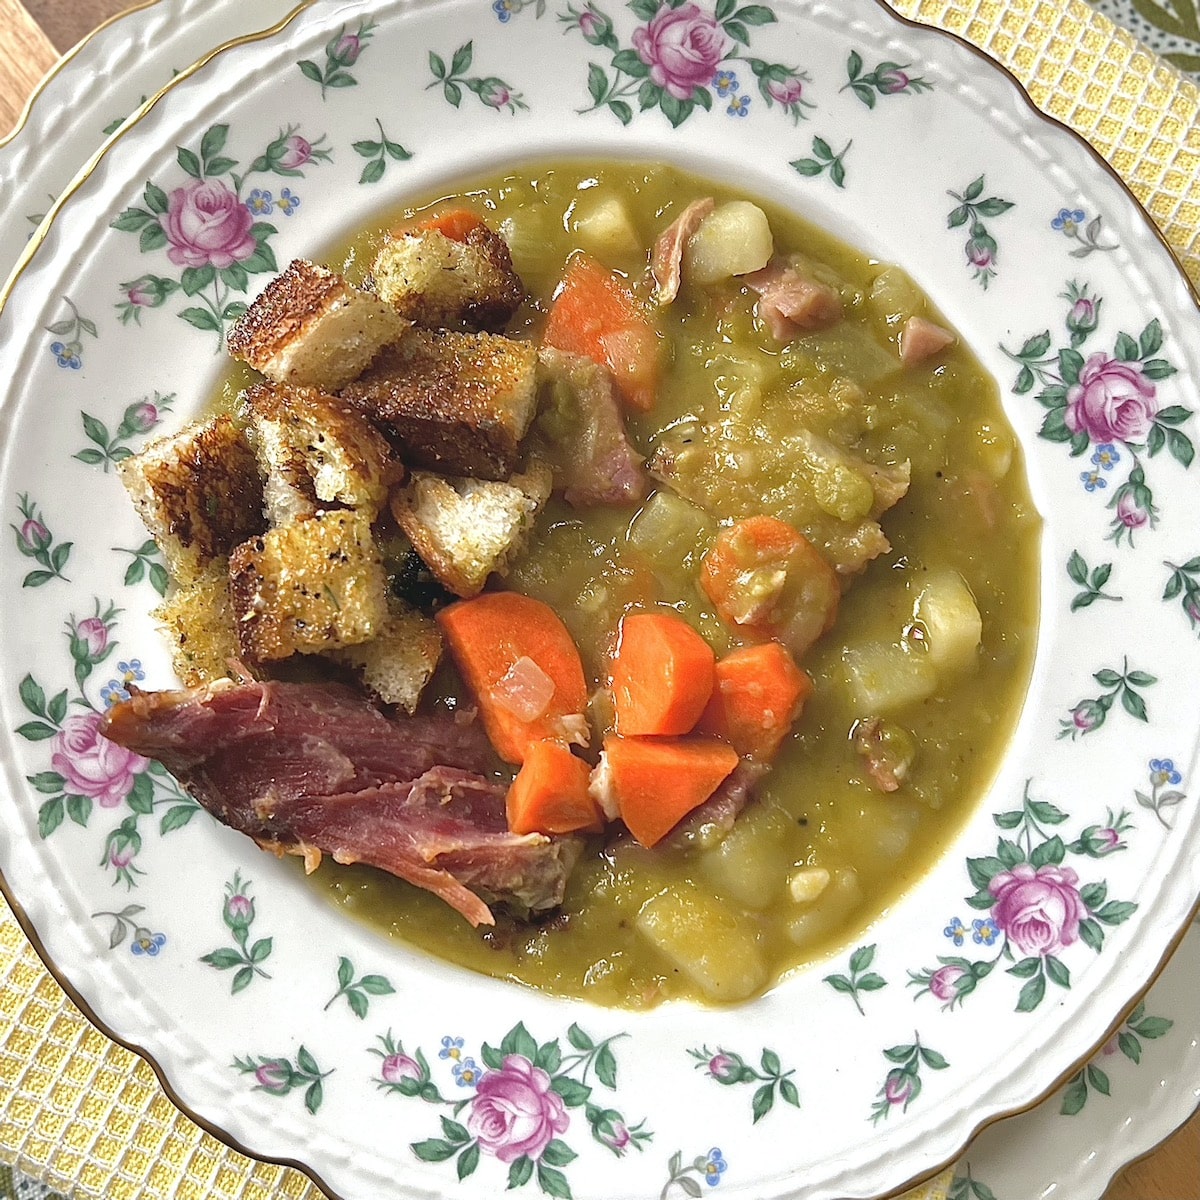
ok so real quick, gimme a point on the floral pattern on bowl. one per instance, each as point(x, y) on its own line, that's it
point(900, 1085)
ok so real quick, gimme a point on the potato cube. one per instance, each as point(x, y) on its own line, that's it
point(734, 239)
point(953, 626)
point(716, 949)
point(886, 676)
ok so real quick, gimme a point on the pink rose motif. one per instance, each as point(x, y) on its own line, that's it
point(941, 983)
point(1040, 910)
point(93, 632)
point(1130, 513)
point(893, 81)
point(1113, 401)
point(785, 91)
point(347, 50)
point(207, 226)
point(514, 1111)
point(274, 1076)
point(682, 47)
point(34, 535)
point(296, 152)
point(90, 764)
point(981, 253)
point(898, 1087)
point(399, 1066)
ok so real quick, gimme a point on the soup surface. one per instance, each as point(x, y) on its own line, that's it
point(907, 669)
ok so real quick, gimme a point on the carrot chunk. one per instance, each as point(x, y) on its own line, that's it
point(453, 223)
point(517, 657)
point(759, 692)
point(769, 581)
point(594, 314)
point(550, 793)
point(658, 781)
point(662, 675)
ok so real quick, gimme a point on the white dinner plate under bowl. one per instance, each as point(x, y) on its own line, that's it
point(94, 87)
point(98, 322)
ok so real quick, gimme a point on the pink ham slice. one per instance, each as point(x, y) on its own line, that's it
point(308, 768)
point(666, 260)
point(791, 302)
point(920, 340)
point(592, 457)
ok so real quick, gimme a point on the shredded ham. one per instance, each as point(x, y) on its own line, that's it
point(791, 301)
point(666, 261)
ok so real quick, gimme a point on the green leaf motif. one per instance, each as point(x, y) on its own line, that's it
point(764, 1101)
point(1032, 994)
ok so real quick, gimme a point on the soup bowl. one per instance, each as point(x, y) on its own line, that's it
point(303, 1037)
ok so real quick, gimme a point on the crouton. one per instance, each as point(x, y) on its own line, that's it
point(445, 283)
point(198, 621)
point(314, 448)
point(311, 328)
point(398, 662)
point(315, 584)
point(464, 529)
point(453, 402)
point(198, 493)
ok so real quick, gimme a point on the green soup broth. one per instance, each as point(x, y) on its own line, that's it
point(721, 922)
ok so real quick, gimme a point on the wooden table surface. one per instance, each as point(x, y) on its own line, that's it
point(31, 38)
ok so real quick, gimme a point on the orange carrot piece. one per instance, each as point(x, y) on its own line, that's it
point(759, 692)
point(455, 223)
point(769, 581)
point(490, 637)
point(595, 314)
point(550, 793)
point(662, 675)
point(658, 781)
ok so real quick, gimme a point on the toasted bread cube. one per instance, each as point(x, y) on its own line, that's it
point(454, 402)
point(397, 663)
point(311, 328)
point(441, 283)
point(464, 529)
point(315, 584)
point(312, 447)
point(198, 493)
point(198, 621)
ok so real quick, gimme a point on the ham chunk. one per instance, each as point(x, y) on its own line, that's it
point(666, 261)
point(921, 340)
point(307, 768)
point(791, 301)
point(587, 446)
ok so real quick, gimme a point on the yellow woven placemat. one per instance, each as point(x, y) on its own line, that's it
point(90, 1118)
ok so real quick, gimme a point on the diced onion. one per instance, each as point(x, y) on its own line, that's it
point(525, 691)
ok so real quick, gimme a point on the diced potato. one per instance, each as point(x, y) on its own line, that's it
point(953, 626)
point(670, 525)
point(752, 859)
point(828, 912)
point(847, 350)
point(894, 296)
point(886, 676)
point(605, 228)
point(996, 449)
point(734, 239)
point(526, 233)
point(717, 950)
